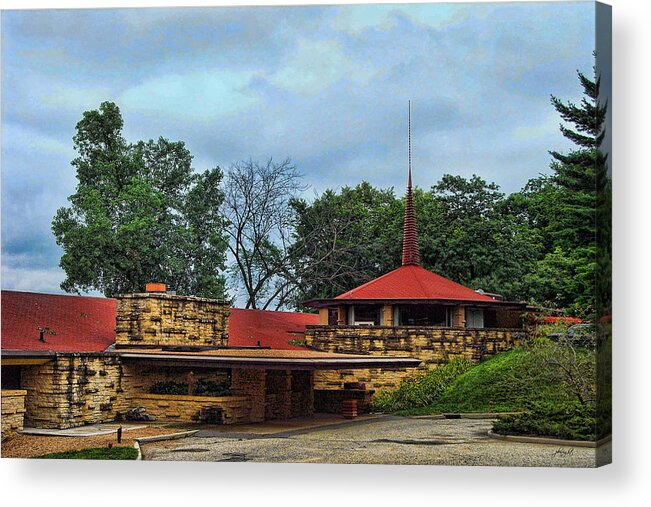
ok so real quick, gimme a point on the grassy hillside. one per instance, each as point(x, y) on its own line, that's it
point(504, 383)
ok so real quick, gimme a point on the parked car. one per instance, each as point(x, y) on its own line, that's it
point(578, 334)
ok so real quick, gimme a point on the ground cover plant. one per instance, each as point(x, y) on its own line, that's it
point(550, 384)
point(119, 453)
point(422, 389)
point(568, 420)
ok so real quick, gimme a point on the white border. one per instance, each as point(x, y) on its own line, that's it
point(626, 482)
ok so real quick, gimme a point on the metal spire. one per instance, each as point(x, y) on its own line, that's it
point(410, 252)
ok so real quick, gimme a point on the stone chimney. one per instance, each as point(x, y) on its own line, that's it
point(156, 318)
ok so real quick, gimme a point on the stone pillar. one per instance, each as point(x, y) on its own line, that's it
point(13, 411)
point(165, 319)
point(302, 393)
point(388, 315)
point(278, 394)
point(458, 316)
point(250, 383)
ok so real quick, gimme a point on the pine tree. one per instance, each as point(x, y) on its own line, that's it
point(577, 178)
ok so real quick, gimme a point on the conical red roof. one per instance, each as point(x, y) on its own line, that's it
point(413, 282)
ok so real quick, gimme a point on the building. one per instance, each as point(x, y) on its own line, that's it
point(411, 311)
point(70, 360)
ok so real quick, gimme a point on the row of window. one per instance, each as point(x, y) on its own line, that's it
point(412, 315)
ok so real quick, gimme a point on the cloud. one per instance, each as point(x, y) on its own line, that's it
point(210, 94)
point(34, 280)
point(326, 86)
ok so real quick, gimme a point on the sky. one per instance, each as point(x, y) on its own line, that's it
point(325, 86)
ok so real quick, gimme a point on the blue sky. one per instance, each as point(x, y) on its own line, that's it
point(326, 86)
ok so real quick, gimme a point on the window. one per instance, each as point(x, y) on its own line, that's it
point(474, 317)
point(423, 315)
point(365, 315)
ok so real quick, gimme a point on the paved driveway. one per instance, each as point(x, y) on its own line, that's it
point(381, 440)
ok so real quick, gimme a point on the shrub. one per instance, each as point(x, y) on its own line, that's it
point(569, 420)
point(422, 389)
point(169, 388)
point(202, 387)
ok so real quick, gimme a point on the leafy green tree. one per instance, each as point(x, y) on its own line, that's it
point(482, 241)
point(344, 239)
point(139, 214)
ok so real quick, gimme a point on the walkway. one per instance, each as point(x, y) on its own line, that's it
point(379, 440)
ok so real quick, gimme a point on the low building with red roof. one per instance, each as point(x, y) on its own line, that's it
point(76, 360)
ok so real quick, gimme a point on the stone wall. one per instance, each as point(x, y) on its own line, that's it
point(278, 394)
point(432, 345)
point(331, 401)
point(13, 411)
point(73, 390)
point(153, 319)
point(374, 378)
point(166, 407)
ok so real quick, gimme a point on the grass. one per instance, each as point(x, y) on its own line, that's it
point(121, 453)
point(505, 383)
point(421, 389)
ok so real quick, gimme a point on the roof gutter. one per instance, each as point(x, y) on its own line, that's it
point(321, 303)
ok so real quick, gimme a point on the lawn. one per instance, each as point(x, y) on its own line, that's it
point(121, 452)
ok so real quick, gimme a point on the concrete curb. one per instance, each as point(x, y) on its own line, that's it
point(464, 415)
point(550, 441)
point(159, 438)
point(170, 436)
point(136, 445)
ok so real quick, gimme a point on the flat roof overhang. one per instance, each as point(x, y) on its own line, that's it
point(331, 362)
point(322, 303)
point(26, 357)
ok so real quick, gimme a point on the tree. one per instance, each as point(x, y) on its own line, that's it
point(482, 241)
point(572, 221)
point(343, 239)
point(257, 206)
point(139, 214)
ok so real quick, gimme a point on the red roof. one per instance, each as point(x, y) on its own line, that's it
point(271, 329)
point(80, 324)
point(87, 324)
point(413, 282)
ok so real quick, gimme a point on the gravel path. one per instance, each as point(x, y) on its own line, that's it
point(385, 440)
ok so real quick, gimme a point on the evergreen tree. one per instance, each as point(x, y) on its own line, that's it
point(572, 210)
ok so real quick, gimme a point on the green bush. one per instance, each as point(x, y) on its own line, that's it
point(202, 387)
point(569, 420)
point(422, 389)
point(169, 388)
point(205, 387)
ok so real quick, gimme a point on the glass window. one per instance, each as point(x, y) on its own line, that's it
point(367, 315)
point(423, 315)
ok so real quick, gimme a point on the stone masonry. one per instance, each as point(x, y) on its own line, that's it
point(153, 319)
point(13, 411)
point(235, 409)
point(73, 390)
point(431, 345)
